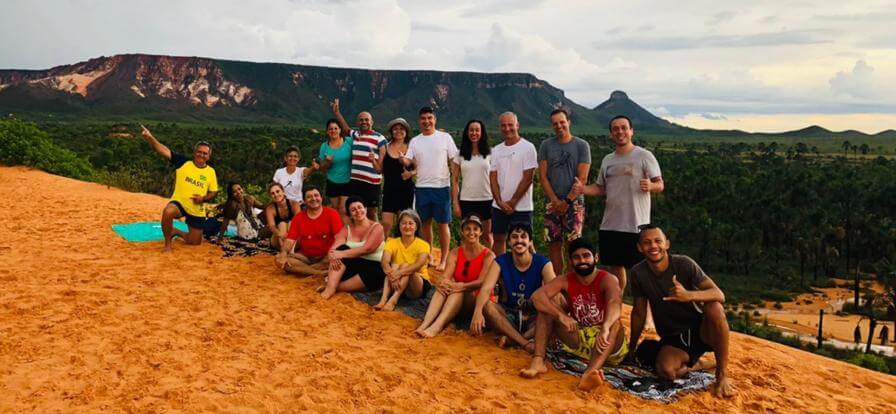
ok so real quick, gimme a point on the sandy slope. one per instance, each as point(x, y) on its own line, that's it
point(90, 322)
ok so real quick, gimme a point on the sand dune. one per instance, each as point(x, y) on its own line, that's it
point(89, 322)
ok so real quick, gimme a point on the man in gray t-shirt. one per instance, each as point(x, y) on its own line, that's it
point(627, 177)
point(687, 308)
point(562, 160)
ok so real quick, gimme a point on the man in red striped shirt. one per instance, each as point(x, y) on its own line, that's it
point(368, 150)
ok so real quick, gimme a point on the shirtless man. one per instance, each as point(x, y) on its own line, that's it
point(195, 184)
point(312, 233)
point(687, 311)
point(522, 273)
point(592, 331)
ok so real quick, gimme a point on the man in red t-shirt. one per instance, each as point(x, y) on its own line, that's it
point(592, 329)
point(312, 232)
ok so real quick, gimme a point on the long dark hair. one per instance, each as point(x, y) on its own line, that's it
point(466, 146)
point(230, 196)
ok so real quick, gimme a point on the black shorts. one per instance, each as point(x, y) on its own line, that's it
point(688, 341)
point(195, 222)
point(482, 209)
point(337, 189)
point(501, 222)
point(426, 288)
point(370, 193)
point(370, 272)
point(397, 201)
point(619, 248)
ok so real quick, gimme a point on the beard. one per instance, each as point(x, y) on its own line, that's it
point(584, 269)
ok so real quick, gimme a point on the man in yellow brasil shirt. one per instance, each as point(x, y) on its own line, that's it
point(195, 184)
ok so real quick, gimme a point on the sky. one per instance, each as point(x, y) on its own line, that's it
point(752, 65)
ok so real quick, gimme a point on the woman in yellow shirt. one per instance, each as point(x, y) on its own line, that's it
point(404, 262)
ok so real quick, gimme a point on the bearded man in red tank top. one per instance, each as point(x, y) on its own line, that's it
point(592, 329)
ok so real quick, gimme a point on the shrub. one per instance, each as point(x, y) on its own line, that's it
point(869, 361)
point(22, 143)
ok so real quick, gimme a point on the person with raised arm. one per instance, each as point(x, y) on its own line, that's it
point(368, 153)
point(195, 184)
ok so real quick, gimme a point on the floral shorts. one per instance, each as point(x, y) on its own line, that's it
point(564, 227)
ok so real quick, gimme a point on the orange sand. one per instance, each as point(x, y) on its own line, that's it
point(89, 322)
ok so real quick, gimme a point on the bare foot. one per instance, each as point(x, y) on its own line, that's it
point(723, 388)
point(536, 368)
point(389, 306)
point(379, 306)
point(419, 331)
point(591, 380)
point(441, 266)
point(503, 342)
point(530, 347)
point(704, 364)
point(428, 333)
point(327, 293)
point(166, 249)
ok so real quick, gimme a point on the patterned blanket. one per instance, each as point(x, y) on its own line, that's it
point(233, 246)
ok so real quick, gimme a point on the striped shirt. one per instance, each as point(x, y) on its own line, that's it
point(363, 143)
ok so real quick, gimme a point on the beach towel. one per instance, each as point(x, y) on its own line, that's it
point(415, 308)
point(243, 248)
point(633, 380)
point(144, 231)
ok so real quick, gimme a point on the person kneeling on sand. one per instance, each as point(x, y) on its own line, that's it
point(592, 330)
point(355, 265)
point(522, 273)
point(404, 263)
point(311, 236)
point(687, 311)
point(195, 184)
point(467, 265)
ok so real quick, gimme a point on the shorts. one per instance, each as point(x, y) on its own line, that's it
point(396, 201)
point(688, 341)
point(587, 340)
point(337, 189)
point(370, 193)
point(501, 222)
point(370, 271)
point(619, 248)
point(482, 209)
point(195, 222)
point(566, 227)
point(427, 286)
point(433, 203)
point(520, 319)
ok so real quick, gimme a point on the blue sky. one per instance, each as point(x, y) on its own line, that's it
point(758, 65)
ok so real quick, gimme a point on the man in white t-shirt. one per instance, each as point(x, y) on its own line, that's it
point(511, 172)
point(431, 152)
point(627, 177)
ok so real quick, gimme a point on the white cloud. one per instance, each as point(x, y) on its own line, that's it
point(857, 83)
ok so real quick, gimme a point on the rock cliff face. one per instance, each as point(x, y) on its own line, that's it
point(194, 80)
point(192, 88)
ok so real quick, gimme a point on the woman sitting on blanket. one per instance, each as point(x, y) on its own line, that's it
point(239, 209)
point(279, 214)
point(404, 263)
point(467, 264)
point(355, 264)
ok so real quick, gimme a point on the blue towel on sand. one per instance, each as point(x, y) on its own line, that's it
point(145, 231)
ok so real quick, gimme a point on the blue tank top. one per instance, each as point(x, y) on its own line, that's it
point(518, 286)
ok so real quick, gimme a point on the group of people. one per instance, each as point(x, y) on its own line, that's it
point(527, 298)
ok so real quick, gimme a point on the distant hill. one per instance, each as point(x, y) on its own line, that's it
point(201, 89)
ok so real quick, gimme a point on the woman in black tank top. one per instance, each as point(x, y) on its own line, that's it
point(277, 222)
point(398, 183)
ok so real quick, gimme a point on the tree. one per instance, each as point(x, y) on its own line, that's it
point(846, 146)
